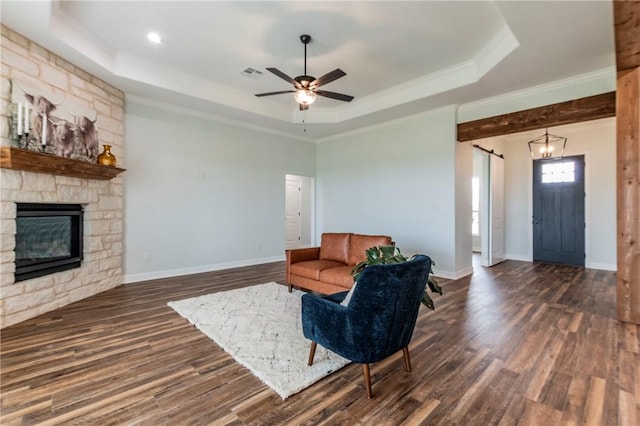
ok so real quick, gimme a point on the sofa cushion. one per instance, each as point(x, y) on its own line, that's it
point(340, 275)
point(317, 286)
point(335, 246)
point(311, 268)
point(361, 243)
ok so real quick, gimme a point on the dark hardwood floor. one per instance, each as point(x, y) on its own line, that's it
point(515, 344)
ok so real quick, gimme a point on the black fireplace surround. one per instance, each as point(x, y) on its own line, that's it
point(48, 239)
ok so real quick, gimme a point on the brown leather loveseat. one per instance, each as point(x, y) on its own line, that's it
point(327, 269)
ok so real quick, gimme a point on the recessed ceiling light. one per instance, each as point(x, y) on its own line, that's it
point(154, 37)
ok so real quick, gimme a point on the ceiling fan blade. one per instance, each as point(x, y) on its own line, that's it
point(304, 107)
point(334, 95)
point(328, 78)
point(275, 93)
point(283, 76)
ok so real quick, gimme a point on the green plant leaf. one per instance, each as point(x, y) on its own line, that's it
point(428, 302)
point(433, 285)
point(357, 270)
point(385, 255)
point(387, 251)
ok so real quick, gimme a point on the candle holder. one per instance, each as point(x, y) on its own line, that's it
point(23, 142)
point(19, 125)
point(13, 128)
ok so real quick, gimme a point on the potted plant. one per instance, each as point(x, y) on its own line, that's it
point(385, 255)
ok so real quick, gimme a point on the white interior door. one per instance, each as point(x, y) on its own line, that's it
point(293, 212)
point(496, 252)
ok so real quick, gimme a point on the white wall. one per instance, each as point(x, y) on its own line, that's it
point(203, 195)
point(596, 141)
point(397, 179)
point(463, 175)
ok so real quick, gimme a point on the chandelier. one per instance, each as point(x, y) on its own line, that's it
point(547, 146)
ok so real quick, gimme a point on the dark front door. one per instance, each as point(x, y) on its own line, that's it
point(558, 210)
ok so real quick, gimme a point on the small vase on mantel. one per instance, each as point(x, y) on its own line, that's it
point(106, 158)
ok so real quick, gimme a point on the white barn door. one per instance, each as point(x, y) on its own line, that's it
point(492, 210)
point(496, 210)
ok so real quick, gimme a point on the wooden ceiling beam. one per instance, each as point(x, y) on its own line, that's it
point(575, 111)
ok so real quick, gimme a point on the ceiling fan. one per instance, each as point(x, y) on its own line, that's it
point(306, 86)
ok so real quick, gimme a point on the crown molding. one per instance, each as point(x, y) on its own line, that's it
point(495, 51)
point(384, 124)
point(210, 117)
point(602, 74)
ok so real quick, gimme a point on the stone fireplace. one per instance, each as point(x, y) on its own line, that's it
point(101, 198)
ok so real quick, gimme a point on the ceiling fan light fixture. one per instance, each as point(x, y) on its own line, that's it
point(305, 97)
point(305, 87)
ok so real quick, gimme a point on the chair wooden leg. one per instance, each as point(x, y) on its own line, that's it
point(367, 380)
point(407, 359)
point(312, 353)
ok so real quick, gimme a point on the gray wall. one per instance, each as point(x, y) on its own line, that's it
point(406, 178)
point(203, 195)
point(400, 179)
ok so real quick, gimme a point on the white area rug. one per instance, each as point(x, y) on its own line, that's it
point(260, 327)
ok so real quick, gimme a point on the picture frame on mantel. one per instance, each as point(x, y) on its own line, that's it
point(52, 124)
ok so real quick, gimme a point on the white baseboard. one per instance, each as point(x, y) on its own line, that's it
point(453, 275)
point(519, 257)
point(168, 273)
point(603, 266)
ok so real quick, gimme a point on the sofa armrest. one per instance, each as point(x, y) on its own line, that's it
point(300, 255)
point(303, 254)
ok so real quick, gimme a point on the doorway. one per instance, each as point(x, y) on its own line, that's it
point(558, 211)
point(488, 211)
point(298, 211)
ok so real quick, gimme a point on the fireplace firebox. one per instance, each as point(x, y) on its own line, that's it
point(48, 239)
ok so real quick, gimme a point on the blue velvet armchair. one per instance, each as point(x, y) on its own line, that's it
point(378, 320)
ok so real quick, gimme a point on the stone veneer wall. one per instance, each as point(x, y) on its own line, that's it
point(102, 200)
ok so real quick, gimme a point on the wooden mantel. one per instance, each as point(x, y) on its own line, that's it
point(31, 161)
